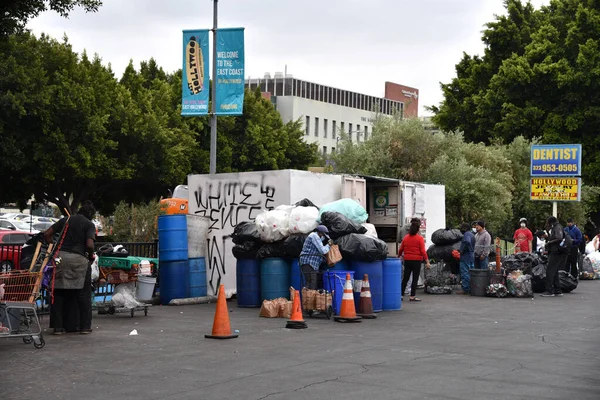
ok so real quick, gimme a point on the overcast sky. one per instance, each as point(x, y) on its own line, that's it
point(349, 44)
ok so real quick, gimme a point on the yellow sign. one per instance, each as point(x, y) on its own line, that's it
point(556, 189)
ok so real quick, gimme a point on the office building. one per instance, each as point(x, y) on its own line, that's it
point(326, 111)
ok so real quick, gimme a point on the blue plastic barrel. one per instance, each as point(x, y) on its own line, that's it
point(174, 280)
point(392, 284)
point(248, 283)
point(335, 280)
point(342, 265)
point(172, 238)
point(375, 272)
point(274, 278)
point(295, 277)
point(197, 277)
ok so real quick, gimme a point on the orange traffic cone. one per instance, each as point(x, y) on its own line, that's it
point(365, 306)
point(347, 310)
point(221, 327)
point(296, 322)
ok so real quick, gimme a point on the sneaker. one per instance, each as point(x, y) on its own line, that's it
point(547, 294)
point(85, 331)
point(558, 294)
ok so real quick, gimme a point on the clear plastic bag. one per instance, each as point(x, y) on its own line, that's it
point(95, 269)
point(303, 219)
point(496, 290)
point(124, 296)
point(519, 284)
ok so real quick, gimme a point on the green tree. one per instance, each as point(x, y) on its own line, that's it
point(536, 79)
point(14, 14)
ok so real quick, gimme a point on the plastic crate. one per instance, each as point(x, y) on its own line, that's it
point(125, 263)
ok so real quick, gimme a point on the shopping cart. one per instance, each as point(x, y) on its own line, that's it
point(19, 291)
point(315, 299)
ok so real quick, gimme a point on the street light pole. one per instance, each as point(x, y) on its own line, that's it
point(213, 115)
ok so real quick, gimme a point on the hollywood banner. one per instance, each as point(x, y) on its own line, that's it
point(195, 79)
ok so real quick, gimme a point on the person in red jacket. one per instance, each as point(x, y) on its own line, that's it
point(413, 251)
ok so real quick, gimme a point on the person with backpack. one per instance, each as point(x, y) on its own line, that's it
point(556, 257)
point(573, 256)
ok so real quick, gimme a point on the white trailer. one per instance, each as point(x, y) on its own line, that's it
point(228, 199)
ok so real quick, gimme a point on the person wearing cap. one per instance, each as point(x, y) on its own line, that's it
point(312, 257)
point(573, 230)
point(523, 238)
point(483, 242)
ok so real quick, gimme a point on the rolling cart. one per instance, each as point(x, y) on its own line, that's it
point(113, 277)
point(18, 316)
point(315, 303)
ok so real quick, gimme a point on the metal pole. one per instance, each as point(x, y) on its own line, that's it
point(213, 115)
point(555, 209)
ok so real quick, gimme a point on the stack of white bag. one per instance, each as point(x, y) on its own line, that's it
point(277, 224)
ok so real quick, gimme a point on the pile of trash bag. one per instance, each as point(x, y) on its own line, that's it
point(246, 250)
point(496, 290)
point(246, 231)
point(360, 247)
point(442, 252)
point(271, 250)
point(274, 225)
point(348, 207)
point(439, 280)
point(292, 245)
point(568, 282)
point(339, 225)
point(520, 261)
point(586, 271)
point(519, 284)
point(446, 236)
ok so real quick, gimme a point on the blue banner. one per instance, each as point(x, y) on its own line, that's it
point(230, 71)
point(556, 160)
point(195, 79)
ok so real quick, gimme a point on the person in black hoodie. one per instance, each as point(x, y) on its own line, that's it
point(556, 259)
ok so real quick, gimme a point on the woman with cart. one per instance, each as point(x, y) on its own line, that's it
point(72, 276)
point(312, 258)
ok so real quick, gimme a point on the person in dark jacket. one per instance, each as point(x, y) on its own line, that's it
point(556, 259)
point(467, 258)
point(72, 277)
point(573, 257)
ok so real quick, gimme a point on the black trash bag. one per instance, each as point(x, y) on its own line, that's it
point(292, 245)
point(567, 282)
point(446, 236)
point(245, 232)
point(246, 250)
point(362, 248)
point(271, 250)
point(305, 203)
point(538, 278)
point(520, 261)
point(339, 225)
point(443, 253)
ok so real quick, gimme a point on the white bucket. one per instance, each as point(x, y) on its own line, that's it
point(145, 288)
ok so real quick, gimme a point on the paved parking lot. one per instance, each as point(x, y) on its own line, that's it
point(448, 346)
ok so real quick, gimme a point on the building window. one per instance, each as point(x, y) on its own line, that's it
point(325, 128)
point(350, 131)
point(332, 150)
point(366, 132)
point(316, 127)
point(333, 129)
point(358, 133)
point(307, 125)
point(342, 127)
point(324, 149)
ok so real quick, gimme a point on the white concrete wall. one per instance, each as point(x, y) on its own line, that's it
point(228, 199)
point(318, 188)
point(293, 108)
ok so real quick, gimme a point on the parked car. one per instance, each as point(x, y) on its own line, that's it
point(42, 226)
point(11, 244)
point(17, 226)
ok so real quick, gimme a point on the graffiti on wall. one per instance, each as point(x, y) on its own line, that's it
point(226, 203)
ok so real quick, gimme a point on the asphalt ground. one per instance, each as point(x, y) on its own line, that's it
point(446, 347)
